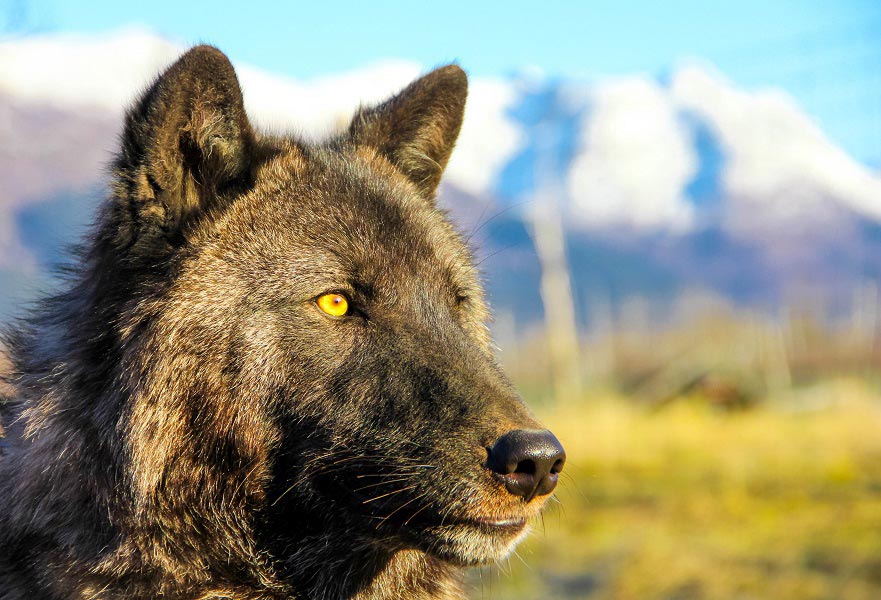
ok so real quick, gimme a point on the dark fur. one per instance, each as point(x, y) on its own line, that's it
point(186, 423)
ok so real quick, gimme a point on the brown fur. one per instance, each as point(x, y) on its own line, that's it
point(187, 424)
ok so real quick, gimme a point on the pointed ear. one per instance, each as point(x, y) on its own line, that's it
point(186, 143)
point(417, 128)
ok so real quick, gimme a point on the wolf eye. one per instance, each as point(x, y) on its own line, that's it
point(335, 305)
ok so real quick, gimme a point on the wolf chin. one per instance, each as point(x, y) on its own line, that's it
point(269, 374)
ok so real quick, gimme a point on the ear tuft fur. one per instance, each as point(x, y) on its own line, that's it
point(186, 141)
point(417, 128)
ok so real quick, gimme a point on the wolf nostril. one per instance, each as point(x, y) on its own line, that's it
point(527, 461)
point(525, 466)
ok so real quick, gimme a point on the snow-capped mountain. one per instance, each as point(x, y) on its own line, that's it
point(663, 183)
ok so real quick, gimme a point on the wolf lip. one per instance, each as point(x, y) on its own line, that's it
point(495, 524)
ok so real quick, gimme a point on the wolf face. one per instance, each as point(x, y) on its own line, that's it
point(281, 350)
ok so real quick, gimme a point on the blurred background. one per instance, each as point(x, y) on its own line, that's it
point(676, 207)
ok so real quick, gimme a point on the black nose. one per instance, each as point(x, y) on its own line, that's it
point(528, 461)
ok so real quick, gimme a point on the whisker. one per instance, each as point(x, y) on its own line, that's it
point(574, 483)
point(413, 516)
point(491, 254)
point(389, 494)
point(517, 554)
point(408, 502)
point(495, 216)
point(368, 457)
point(370, 485)
point(396, 469)
point(396, 474)
point(560, 508)
point(502, 569)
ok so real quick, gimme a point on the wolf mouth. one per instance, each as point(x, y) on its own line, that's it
point(484, 524)
point(400, 509)
point(491, 529)
point(494, 524)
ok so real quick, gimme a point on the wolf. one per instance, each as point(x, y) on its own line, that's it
point(269, 374)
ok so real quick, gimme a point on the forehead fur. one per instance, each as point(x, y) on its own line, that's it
point(353, 209)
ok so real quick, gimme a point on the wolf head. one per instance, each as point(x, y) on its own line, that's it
point(299, 339)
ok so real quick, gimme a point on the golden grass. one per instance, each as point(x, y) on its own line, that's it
point(779, 502)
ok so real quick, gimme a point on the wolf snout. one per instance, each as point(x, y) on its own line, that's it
point(528, 461)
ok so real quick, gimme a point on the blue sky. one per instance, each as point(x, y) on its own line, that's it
point(827, 54)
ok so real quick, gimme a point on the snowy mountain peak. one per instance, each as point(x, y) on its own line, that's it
point(625, 152)
point(777, 158)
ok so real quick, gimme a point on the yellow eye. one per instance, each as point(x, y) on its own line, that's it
point(336, 305)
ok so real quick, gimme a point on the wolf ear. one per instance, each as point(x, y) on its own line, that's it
point(417, 128)
point(185, 143)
